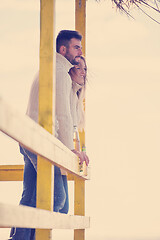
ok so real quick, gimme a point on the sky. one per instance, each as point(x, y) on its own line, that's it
point(122, 112)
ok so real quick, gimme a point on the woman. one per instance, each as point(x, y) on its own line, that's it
point(61, 202)
point(78, 75)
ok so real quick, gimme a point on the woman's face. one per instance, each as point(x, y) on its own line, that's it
point(78, 73)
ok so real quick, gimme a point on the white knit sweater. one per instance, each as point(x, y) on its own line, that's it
point(66, 102)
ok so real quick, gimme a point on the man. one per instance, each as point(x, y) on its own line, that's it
point(69, 50)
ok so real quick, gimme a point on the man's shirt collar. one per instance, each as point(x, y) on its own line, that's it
point(66, 64)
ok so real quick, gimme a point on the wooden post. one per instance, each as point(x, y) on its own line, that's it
point(80, 21)
point(45, 173)
point(79, 188)
point(80, 25)
point(79, 205)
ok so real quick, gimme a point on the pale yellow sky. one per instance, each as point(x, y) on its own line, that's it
point(122, 118)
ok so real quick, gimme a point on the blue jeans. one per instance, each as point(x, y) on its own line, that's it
point(61, 202)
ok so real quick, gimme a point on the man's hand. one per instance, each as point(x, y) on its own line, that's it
point(82, 156)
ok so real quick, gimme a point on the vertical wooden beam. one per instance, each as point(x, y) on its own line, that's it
point(79, 187)
point(80, 21)
point(79, 205)
point(45, 173)
point(80, 25)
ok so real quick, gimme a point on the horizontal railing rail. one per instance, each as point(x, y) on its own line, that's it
point(15, 173)
point(27, 217)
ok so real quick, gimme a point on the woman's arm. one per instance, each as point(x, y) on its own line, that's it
point(82, 156)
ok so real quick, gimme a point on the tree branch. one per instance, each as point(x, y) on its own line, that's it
point(125, 6)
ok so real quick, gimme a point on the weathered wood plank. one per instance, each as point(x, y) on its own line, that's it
point(11, 172)
point(79, 205)
point(79, 202)
point(15, 173)
point(22, 216)
point(45, 170)
point(32, 136)
point(80, 21)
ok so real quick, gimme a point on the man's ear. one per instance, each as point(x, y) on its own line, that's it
point(62, 50)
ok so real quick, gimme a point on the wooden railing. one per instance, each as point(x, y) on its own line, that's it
point(40, 139)
point(35, 138)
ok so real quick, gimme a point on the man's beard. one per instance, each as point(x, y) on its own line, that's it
point(74, 62)
point(71, 60)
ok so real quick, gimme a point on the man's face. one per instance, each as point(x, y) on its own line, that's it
point(74, 51)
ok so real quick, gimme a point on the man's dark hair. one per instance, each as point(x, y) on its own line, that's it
point(65, 36)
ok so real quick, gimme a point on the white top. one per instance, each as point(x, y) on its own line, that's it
point(63, 101)
point(66, 102)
